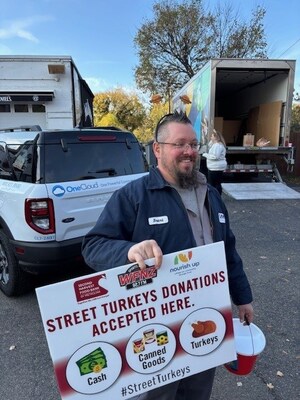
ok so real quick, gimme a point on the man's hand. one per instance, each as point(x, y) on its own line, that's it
point(246, 313)
point(144, 250)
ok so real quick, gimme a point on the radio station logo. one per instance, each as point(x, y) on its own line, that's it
point(136, 277)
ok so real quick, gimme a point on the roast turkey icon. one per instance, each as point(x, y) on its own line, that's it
point(201, 328)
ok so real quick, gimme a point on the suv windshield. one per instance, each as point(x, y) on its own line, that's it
point(91, 160)
point(62, 156)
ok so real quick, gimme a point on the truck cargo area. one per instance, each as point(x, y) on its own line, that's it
point(254, 101)
point(249, 101)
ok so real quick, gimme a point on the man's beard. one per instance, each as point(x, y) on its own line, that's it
point(187, 181)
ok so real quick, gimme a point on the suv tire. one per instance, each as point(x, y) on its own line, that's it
point(13, 280)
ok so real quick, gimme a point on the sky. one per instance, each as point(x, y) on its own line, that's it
point(99, 34)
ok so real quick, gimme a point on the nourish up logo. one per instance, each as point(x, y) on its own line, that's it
point(183, 257)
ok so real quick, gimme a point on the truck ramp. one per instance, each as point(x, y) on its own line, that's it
point(259, 191)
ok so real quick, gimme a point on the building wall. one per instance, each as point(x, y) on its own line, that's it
point(36, 77)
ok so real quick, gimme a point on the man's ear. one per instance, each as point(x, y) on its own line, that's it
point(156, 149)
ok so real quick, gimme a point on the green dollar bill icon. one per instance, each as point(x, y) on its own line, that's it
point(92, 362)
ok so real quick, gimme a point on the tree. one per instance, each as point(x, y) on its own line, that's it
point(118, 108)
point(295, 120)
point(126, 111)
point(110, 119)
point(235, 38)
point(146, 132)
point(101, 105)
point(182, 36)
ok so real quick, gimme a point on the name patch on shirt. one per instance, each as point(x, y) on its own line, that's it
point(158, 220)
point(221, 218)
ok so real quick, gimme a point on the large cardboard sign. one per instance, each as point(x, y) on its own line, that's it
point(124, 331)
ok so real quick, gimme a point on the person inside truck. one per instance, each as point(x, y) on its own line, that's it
point(216, 160)
point(191, 214)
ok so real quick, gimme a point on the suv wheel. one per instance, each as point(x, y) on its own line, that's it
point(13, 280)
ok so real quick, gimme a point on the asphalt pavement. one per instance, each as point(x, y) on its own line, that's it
point(268, 239)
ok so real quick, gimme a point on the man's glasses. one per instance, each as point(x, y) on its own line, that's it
point(183, 146)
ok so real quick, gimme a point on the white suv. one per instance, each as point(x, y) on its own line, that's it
point(53, 187)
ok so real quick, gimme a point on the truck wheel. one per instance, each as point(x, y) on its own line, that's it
point(13, 281)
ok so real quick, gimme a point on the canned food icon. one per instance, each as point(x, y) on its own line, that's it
point(138, 345)
point(149, 336)
point(162, 338)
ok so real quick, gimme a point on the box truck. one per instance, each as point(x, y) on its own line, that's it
point(249, 101)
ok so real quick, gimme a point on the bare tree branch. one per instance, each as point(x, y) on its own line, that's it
point(183, 35)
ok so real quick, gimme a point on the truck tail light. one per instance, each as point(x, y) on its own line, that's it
point(39, 215)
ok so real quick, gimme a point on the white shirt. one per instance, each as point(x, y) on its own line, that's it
point(216, 157)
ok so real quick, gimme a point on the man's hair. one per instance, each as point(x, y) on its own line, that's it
point(179, 117)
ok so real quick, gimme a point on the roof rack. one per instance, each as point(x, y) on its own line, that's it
point(25, 128)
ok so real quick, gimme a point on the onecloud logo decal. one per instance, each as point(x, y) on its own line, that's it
point(59, 190)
